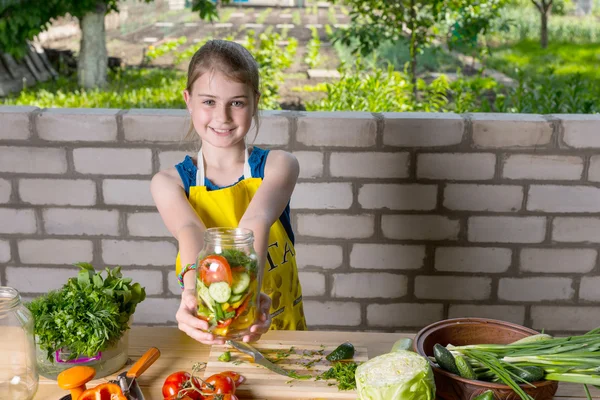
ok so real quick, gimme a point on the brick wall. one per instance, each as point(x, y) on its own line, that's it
point(401, 219)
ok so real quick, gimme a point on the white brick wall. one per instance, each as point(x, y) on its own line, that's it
point(456, 166)
point(401, 219)
point(483, 197)
point(63, 192)
point(398, 197)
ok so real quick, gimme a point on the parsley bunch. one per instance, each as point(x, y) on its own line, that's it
point(88, 314)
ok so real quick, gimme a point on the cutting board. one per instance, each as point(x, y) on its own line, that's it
point(306, 358)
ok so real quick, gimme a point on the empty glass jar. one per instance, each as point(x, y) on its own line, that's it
point(228, 282)
point(18, 373)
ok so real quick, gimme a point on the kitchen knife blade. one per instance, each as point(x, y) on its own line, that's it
point(258, 357)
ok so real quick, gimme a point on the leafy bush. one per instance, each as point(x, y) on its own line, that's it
point(313, 48)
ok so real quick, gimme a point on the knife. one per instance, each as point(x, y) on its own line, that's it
point(127, 380)
point(258, 357)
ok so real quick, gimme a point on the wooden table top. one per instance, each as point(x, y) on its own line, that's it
point(179, 352)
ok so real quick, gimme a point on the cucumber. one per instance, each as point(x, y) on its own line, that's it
point(241, 281)
point(445, 359)
point(219, 291)
point(235, 298)
point(204, 295)
point(489, 395)
point(464, 369)
point(530, 373)
point(344, 351)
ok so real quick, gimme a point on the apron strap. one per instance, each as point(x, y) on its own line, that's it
point(200, 174)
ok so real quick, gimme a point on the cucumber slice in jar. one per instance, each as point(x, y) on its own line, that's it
point(241, 281)
point(220, 292)
point(235, 298)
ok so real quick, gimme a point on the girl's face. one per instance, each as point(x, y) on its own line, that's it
point(221, 109)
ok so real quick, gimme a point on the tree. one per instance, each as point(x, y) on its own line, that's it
point(544, 7)
point(18, 24)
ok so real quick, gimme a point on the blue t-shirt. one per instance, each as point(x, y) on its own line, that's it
point(257, 160)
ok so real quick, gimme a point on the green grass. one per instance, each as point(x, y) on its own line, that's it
point(129, 88)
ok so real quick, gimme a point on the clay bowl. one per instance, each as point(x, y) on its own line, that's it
point(464, 331)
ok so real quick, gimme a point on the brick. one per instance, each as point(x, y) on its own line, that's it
point(147, 224)
point(336, 226)
point(311, 163)
point(5, 255)
point(141, 252)
point(588, 289)
point(33, 160)
point(535, 289)
point(416, 129)
point(594, 170)
point(456, 166)
point(404, 315)
point(507, 229)
point(369, 165)
point(157, 125)
point(472, 259)
point(77, 124)
point(327, 256)
point(127, 192)
point(5, 190)
point(74, 221)
point(510, 130)
point(331, 313)
point(173, 284)
point(343, 129)
point(558, 260)
point(580, 131)
point(64, 192)
point(369, 285)
point(313, 283)
point(549, 167)
point(152, 281)
point(515, 314)
point(14, 122)
point(330, 196)
point(419, 227)
point(576, 229)
point(156, 311)
point(497, 198)
point(55, 251)
point(38, 280)
point(398, 197)
point(168, 159)
point(121, 161)
point(561, 318)
point(558, 198)
point(387, 256)
point(274, 129)
point(452, 288)
point(19, 221)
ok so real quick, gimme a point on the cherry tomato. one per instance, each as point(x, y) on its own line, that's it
point(174, 383)
point(235, 377)
point(215, 269)
point(218, 384)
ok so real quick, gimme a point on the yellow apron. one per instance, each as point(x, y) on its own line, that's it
point(225, 208)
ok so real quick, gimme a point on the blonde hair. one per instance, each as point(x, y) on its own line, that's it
point(230, 58)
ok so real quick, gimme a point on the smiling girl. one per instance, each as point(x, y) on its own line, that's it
point(222, 97)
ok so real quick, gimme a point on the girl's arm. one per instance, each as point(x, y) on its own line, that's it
point(271, 198)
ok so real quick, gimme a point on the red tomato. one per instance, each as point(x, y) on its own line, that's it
point(235, 377)
point(218, 384)
point(174, 383)
point(215, 269)
point(221, 397)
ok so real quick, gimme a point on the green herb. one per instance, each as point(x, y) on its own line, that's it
point(295, 375)
point(237, 258)
point(225, 357)
point(343, 373)
point(88, 314)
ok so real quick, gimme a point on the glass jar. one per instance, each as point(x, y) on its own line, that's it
point(18, 372)
point(228, 281)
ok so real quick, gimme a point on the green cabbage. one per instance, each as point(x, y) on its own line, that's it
point(400, 375)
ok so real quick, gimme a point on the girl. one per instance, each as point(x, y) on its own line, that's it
point(230, 185)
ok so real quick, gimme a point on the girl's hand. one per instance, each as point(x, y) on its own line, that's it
point(189, 323)
point(264, 320)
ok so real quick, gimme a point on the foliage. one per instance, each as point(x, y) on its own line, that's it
point(313, 48)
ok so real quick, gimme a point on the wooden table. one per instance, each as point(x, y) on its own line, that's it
point(179, 352)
